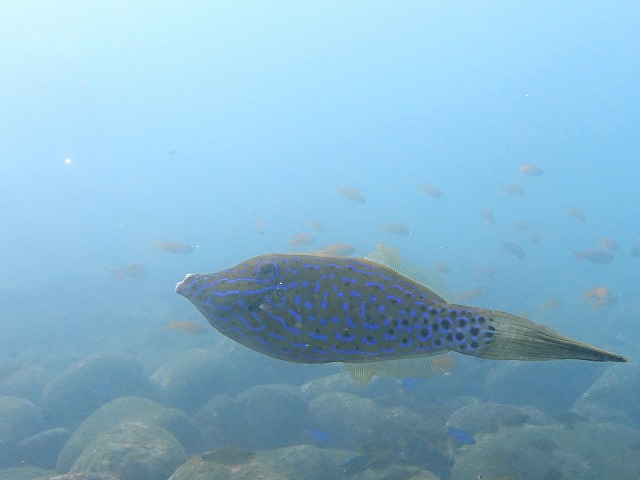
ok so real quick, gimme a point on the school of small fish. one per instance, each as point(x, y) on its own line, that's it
point(346, 328)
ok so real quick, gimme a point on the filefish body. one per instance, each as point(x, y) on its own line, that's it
point(320, 309)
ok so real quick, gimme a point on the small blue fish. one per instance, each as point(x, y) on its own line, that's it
point(319, 436)
point(460, 436)
point(410, 383)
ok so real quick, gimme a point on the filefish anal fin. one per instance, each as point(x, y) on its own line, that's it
point(419, 367)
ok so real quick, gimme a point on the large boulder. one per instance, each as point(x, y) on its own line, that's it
point(346, 419)
point(270, 416)
point(132, 451)
point(82, 388)
point(549, 386)
point(306, 461)
point(128, 409)
point(43, 448)
point(613, 397)
point(293, 462)
point(19, 419)
point(24, 473)
point(192, 378)
point(28, 381)
point(584, 451)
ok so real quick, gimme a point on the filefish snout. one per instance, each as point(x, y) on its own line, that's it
point(240, 301)
point(184, 286)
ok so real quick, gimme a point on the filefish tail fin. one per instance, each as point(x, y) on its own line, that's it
point(517, 338)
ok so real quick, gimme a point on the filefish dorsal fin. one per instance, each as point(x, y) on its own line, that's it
point(419, 367)
point(390, 257)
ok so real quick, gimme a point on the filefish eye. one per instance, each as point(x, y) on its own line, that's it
point(266, 271)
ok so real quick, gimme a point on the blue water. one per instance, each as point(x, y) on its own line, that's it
point(128, 124)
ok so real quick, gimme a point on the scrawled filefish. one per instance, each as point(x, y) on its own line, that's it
point(365, 312)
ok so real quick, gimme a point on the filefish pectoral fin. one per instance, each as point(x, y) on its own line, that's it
point(419, 367)
point(517, 338)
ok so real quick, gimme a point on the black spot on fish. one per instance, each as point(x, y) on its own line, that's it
point(450, 337)
point(459, 336)
point(423, 308)
point(437, 342)
point(404, 341)
point(481, 319)
point(446, 324)
point(405, 322)
point(474, 331)
point(488, 334)
point(462, 323)
point(390, 331)
point(474, 344)
point(433, 311)
point(491, 328)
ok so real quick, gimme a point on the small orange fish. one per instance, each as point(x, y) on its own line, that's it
point(442, 267)
point(577, 213)
point(520, 226)
point(396, 229)
point(301, 240)
point(431, 191)
point(608, 243)
point(488, 216)
point(471, 294)
point(595, 255)
point(339, 249)
point(135, 271)
point(352, 194)
point(530, 170)
point(485, 272)
point(179, 248)
point(259, 226)
point(191, 327)
point(317, 226)
point(512, 189)
point(600, 297)
point(551, 304)
point(534, 237)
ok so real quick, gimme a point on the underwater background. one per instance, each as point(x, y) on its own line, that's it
point(496, 142)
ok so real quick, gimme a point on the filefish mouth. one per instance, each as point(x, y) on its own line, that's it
point(183, 287)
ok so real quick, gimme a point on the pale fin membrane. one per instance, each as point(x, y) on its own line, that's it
point(517, 338)
point(419, 367)
point(390, 257)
